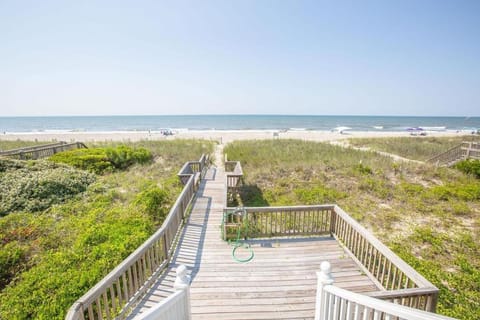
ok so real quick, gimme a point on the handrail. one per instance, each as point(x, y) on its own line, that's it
point(280, 221)
point(466, 149)
point(396, 279)
point(336, 303)
point(341, 230)
point(117, 292)
point(234, 173)
point(451, 154)
point(36, 152)
point(191, 167)
point(471, 149)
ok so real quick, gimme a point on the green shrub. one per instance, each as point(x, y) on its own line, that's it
point(153, 200)
point(318, 195)
point(12, 256)
point(469, 166)
point(363, 169)
point(466, 192)
point(101, 160)
point(94, 159)
point(48, 289)
point(122, 157)
point(35, 186)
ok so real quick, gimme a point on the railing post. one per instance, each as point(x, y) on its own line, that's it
point(324, 278)
point(333, 220)
point(469, 148)
point(432, 302)
point(182, 282)
point(224, 225)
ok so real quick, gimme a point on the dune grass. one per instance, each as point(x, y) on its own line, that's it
point(415, 148)
point(54, 256)
point(429, 216)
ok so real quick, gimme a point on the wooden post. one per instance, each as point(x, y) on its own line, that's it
point(333, 221)
point(469, 148)
point(324, 278)
point(182, 282)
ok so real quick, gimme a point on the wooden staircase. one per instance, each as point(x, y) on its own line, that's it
point(465, 150)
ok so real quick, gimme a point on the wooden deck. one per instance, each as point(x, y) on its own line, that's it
point(279, 283)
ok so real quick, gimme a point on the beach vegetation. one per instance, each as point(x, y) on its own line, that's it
point(428, 215)
point(37, 185)
point(103, 159)
point(415, 148)
point(469, 166)
point(49, 258)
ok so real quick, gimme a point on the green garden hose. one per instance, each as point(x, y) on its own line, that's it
point(237, 243)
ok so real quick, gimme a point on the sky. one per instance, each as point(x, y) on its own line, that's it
point(405, 57)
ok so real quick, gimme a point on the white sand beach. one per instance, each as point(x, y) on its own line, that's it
point(217, 135)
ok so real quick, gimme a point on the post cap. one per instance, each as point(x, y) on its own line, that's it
point(326, 267)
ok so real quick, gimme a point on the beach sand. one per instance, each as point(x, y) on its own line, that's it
point(220, 136)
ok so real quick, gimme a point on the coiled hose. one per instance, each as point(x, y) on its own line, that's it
point(237, 243)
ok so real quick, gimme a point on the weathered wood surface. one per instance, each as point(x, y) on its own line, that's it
point(279, 283)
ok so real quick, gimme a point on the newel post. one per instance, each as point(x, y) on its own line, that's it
point(182, 282)
point(324, 278)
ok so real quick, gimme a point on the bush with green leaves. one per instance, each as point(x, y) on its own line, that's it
point(101, 160)
point(469, 166)
point(37, 185)
point(153, 200)
point(122, 157)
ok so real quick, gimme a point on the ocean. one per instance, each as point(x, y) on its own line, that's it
point(234, 122)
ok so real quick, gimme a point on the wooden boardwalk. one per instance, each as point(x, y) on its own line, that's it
point(280, 281)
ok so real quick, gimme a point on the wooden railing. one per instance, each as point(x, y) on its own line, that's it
point(462, 151)
point(339, 304)
point(278, 221)
point(396, 280)
point(471, 149)
point(43, 151)
point(122, 288)
point(234, 173)
point(192, 167)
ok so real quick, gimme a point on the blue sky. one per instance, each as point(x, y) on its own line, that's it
point(408, 57)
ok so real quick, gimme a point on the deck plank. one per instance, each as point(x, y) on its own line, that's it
point(279, 283)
